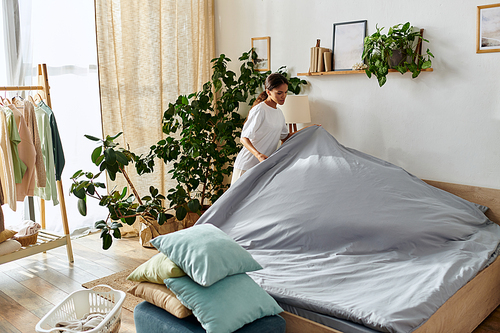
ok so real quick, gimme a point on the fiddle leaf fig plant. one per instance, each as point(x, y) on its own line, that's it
point(201, 143)
point(401, 40)
point(209, 125)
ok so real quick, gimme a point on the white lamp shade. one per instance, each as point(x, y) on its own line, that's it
point(296, 109)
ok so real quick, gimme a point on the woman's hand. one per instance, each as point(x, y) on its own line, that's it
point(261, 157)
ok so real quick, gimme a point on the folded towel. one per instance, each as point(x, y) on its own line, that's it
point(87, 323)
point(28, 228)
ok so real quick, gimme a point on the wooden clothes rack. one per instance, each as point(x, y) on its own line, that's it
point(45, 240)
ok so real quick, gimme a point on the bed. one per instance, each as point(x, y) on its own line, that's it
point(344, 235)
point(470, 305)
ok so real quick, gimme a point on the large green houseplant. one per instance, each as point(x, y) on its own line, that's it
point(397, 46)
point(201, 132)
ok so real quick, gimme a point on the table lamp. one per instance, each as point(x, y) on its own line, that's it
point(296, 110)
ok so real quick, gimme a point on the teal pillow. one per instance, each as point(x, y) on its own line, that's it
point(227, 305)
point(205, 253)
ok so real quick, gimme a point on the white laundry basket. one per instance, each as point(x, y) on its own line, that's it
point(82, 302)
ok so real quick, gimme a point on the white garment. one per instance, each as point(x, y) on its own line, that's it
point(29, 228)
point(264, 127)
point(237, 173)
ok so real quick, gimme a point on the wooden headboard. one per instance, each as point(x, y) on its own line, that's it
point(488, 197)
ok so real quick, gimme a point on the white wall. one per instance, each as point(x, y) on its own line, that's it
point(443, 125)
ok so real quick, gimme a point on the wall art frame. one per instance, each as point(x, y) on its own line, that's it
point(347, 45)
point(488, 28)
point(262, 45)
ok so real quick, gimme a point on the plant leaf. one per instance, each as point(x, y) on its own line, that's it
point(93, 138)
point(96, 153)
point(82, 207)
point(180, 213)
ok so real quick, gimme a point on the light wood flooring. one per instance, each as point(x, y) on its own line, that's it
point(30, 287)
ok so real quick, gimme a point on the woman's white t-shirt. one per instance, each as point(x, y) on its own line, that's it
point(265, 126)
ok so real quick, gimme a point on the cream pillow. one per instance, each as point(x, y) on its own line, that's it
point(155, 270)
point(6, 234)
point(9, 246)
point(160, 296)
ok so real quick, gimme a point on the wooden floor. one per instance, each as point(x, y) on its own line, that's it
point(30, 287)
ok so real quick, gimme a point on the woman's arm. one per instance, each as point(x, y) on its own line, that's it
point(249, 145)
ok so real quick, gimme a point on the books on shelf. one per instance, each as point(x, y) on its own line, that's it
point(321, 59)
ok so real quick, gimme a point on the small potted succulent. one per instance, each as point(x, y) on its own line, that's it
point(398, 49)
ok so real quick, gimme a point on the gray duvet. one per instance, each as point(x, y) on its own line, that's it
point(348, 235)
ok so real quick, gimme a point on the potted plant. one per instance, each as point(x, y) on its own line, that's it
point(397, 49)
point(201, 132)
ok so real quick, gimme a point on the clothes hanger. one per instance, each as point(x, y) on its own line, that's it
point(38, 98)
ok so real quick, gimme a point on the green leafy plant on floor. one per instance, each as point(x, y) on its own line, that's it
point(402, 40)
point(201, 132)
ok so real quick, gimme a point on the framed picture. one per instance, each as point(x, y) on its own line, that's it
point(262, 46)
point(348, 39)
point(488, 28)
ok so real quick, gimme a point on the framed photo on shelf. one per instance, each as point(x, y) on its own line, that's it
point(488, 28)
point(347, 46)
point(262, 46)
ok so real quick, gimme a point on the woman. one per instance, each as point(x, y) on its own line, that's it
point(264, 127)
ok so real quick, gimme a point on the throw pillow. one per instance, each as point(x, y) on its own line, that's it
point(160, 296)
point(227, 305)
point(155, 270)
point(9, 246)
point(6, 234)
point(205, 253)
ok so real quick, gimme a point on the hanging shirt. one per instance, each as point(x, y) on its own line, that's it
point(49, 192)
point(30, 118)
point(18, 166)
point(264, 127)
point(56, 140)
point(6, 165)
point(27, 155)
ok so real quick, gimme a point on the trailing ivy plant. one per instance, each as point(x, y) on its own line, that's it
point(379, 48)
point(201, 141)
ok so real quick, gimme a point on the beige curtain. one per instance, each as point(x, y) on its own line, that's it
point(149, 52)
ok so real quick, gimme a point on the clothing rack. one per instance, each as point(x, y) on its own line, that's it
point(46, 240)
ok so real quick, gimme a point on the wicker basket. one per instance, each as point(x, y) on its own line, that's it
point(27, 240)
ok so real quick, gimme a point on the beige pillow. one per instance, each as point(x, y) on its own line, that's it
point(155, 270)
point(10, 246)
point(160, 296)
point(6, 234)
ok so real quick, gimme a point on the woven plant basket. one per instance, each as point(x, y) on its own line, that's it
point(27, 240)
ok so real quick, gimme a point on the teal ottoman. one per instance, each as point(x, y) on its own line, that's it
point(151, 319)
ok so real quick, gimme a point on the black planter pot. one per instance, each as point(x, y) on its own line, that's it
point(398, 58)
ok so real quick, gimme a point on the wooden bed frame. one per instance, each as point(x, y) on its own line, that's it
point(470, 305)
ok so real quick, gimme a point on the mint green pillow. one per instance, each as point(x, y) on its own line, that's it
point(205, 253)
point(227, 305)
point(155, 270)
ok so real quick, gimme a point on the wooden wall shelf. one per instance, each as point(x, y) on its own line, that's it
point(351, 72)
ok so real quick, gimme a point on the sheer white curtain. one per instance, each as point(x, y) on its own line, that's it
point(149, 53)
point(61, 34)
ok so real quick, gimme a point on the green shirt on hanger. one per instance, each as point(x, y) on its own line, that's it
point(18, 165)
point(49, 192)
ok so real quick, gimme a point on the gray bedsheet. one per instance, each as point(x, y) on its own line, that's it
point(345, 234)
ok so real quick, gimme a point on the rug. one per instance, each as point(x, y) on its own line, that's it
point(118, 281)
